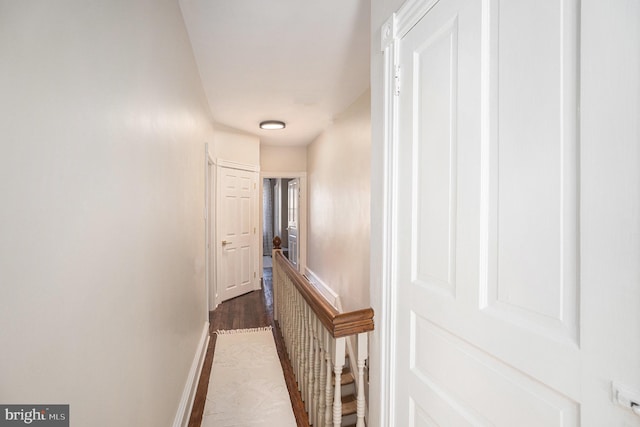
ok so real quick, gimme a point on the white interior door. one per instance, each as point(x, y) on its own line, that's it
point(292, 219)
point(236, 224)
point(514, 303)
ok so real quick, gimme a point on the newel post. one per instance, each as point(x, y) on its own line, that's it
point(276, 243)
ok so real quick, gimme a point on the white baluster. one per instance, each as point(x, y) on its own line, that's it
point(338, 360)
point(317, 364)
point(329, 388)
point(310, 367)
point(303, 346)
point(291, 323)
point(362, 351)
point(314, 373)
point(287, 318)
point(305, 357)
point(294, 332)
point(299, 341)
point(288, 308)
point(322, 403)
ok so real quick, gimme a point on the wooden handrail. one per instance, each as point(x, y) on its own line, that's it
point(338, 324)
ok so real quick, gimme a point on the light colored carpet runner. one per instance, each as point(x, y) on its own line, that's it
point(247, 386)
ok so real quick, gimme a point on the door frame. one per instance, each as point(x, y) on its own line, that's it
point(383, 243)
point(302, 214)
point(293, 255)
point(210, 230)
point(382, 359)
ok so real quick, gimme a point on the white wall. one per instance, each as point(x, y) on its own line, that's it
point(102, 132)
point(283, 159)
point(338, 165)
point(235, 145)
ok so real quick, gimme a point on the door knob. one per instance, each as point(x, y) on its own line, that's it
point(225, 242)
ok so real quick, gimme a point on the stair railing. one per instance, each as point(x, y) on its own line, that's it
point(315, 336)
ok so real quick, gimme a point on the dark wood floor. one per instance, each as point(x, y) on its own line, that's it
point(252, 310)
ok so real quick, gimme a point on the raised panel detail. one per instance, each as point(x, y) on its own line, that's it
point(530, 171)
point(231, 216)
point(245, 216)
point(478, 387)
point(245, 184)
point(230, 280)
point(245, 259)
point(418, 416)
point(434, 156)
point(231, 181)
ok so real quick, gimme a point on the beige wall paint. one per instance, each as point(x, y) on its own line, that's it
point(338, 164)
point(283, 159)
point(104, 121)
point(235, 145)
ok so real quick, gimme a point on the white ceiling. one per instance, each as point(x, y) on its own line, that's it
point(300, 61)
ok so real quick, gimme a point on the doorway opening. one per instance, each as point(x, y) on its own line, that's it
point(275, 217)
point(283, 215)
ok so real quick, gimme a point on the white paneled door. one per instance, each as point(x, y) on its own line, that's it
point(237, 238)
point(501, 314)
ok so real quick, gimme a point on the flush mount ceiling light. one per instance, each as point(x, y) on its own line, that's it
point(272, 124)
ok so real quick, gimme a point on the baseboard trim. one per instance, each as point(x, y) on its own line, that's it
point(189, 392)
point(329, 294)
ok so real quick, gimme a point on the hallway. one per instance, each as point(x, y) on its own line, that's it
point(474, 179)
point(252, 310)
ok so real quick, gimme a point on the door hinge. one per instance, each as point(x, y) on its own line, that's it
point(254, 274)
point(396, 81)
